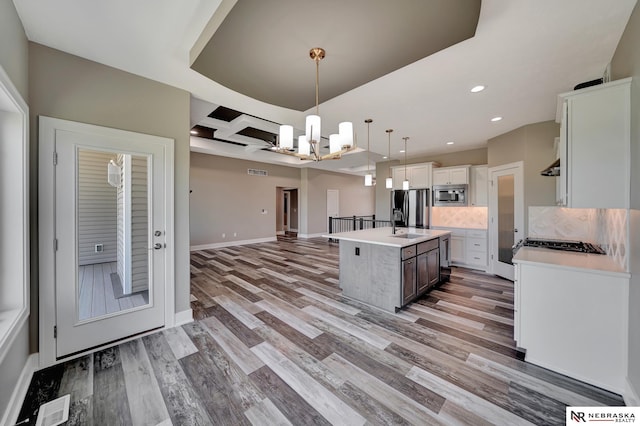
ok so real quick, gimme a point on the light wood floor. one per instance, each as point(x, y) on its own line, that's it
point(274, 342)
point(96, 292)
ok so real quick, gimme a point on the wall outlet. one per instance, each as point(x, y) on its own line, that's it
point(224, 235)
point(99, 248)
point(357, 251)
point(264, 211)
point(235, 234)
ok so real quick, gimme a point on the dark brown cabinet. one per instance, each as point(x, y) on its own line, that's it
point(420, 269)
point(408, 280)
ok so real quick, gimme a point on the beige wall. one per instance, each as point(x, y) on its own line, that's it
point(14, 61)
point(533, 145)
point(355, 198)
point(383, 199)
point(73, 88)
point(626, 63)
point(225, 199)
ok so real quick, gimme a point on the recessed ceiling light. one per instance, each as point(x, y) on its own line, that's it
point(194, 132)
point(496, 119)
point(385, 157)
point(450, 143)
point(402, 150)
point(477, 89)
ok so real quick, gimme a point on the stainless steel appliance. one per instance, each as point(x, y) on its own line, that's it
point(410, 208)
point(450, 195)
point(565, 245)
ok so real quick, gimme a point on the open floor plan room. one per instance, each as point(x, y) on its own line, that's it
point(274, 342)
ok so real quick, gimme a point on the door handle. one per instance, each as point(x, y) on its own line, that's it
point(157, 246)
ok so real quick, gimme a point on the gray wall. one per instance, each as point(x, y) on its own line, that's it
point(72, 88)
point(626, 63)
point(355, 198)
point(383, 200)
point(226, 200)
point(532, 144)
point(14, 60)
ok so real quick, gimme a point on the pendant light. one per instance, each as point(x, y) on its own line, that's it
point(405, 182)
point(368, 178)
point(389, 181)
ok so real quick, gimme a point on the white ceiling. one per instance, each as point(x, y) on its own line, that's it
point(524, 51)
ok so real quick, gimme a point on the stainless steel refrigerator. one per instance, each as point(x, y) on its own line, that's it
point(410, 208)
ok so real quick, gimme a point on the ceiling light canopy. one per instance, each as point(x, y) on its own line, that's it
point(309, 143)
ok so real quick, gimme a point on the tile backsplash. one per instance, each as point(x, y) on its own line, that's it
point(606, 227)
point(460, 217)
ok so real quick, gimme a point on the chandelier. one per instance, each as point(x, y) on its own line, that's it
point(309, 143)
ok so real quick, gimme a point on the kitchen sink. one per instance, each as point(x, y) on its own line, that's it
point(408, 236)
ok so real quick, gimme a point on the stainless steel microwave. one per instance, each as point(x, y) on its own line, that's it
point(450, 195)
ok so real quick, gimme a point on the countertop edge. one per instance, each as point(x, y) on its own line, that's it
point(369, 237)
point(609, 268)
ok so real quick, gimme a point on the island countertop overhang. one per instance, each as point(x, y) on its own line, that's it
point(384, 236)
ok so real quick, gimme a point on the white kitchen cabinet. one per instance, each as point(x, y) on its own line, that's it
point(573, 321)
point(478, 182)
point(468, 247)
point(595, 144)
point(419, 175)
point(451, 175)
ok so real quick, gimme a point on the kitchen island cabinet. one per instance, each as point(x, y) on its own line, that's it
point(571, 314)
point(389, 271)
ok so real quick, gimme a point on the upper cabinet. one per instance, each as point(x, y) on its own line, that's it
point(478, 186)
point(595, 146)
point(419, 175)
point(451, 175)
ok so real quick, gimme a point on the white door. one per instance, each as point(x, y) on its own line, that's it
point(506, 216)
point(286, 217)
point(333, 204)
point(111, 228)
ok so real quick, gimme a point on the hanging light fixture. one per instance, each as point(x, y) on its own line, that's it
point(389, 181)
point(309, 143)
point(405, 182)
point(368, 178)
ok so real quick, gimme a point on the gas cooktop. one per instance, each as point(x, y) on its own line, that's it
point(577, 246)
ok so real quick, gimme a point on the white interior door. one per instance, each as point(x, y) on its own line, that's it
point(111, 222)
point(506, 216)
point(333, 204)
point(286, 217)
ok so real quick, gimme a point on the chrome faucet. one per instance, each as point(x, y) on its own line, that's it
point(397, 215)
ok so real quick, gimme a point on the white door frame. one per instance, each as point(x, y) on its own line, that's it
point(331, 193)
point(518, 188)
point(46, 221)
point(286, 217)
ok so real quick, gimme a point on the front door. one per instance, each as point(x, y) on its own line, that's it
point(110, 226)
point(506, 216)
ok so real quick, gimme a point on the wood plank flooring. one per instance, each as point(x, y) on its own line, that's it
point(274, 342)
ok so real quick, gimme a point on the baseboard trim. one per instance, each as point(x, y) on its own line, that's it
point(631, 395)
point(183, 317)
point(20, 391)
point(307, 236)
point(232, 243)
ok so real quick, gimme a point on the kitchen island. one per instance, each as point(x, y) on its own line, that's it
point(386, 270)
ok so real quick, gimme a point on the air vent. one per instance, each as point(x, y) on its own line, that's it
point(54, 412)
point(256, 172)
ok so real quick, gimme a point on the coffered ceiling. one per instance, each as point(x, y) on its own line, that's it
point(407, 64)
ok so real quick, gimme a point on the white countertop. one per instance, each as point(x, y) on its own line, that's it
point(384, 237)
point(598, 263)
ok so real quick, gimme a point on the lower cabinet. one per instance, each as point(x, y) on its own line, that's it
point(469, 248)
point(420, 269)
point(409, 276)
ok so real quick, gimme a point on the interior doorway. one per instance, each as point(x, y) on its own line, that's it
point(506, 216)
point(287, 211)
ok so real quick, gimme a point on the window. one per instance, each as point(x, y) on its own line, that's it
point(14, 213)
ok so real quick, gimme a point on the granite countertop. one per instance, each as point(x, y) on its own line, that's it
point(384, 237)
point(597, 263)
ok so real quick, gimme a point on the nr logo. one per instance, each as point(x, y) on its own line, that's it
point(577, 416)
